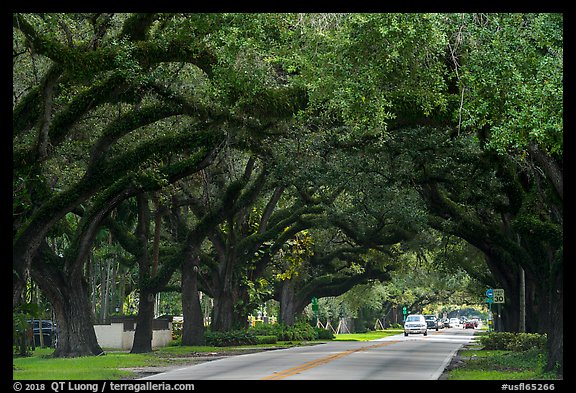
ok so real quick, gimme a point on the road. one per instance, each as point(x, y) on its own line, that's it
point(415, 357)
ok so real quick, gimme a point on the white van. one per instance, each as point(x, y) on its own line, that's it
point(415, 323)
point(454, 322)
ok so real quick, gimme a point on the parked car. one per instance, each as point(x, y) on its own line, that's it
point(446, 322)
point(440, 323)
point(431, 321)
point(469, 324)
point(454, 322)
point(415, 323)
point(47, 332)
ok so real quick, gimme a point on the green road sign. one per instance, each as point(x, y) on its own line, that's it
point(403, 310)
point(315, 304)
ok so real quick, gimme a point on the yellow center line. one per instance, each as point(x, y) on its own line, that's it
point(321, 361)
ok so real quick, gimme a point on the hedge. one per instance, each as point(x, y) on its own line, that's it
point(513, 341)
point(230, 338)
point(299, 332)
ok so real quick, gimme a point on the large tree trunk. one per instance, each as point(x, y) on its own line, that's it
point(143, 334)
point(555, 331)
point(241, 310)
point(287, 303)
point(223, 312)
point(223, 319)
point(193, 325)
point(230, 311)
point(18, 285)
point(71, 304)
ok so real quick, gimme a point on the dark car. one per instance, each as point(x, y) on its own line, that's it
point(47, 332)
point(431, 321)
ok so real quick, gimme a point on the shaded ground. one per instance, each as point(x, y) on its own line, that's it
point(186, 360)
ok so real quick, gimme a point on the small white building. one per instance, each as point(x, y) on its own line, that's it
point(119, 334)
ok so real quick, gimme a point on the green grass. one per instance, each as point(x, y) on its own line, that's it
point(41, 366)
point(500, 365)
point(374, 335)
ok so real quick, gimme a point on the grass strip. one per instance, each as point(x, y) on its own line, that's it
point(500, 365)
point(41, 366)
point(374, 335)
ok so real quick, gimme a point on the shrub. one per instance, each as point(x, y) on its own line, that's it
point(301, 331)
point(527, 341)
point(231, 338)
point(324, 334)
point(513, 341)
point(267, 339)
point(496, 340)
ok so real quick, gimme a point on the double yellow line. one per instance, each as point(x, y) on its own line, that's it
point(321, 361)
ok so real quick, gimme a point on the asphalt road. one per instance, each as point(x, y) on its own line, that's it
point(415, 357)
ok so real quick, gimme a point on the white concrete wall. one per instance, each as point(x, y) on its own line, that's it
point(113, 336)
point(161, 338)
point(127, 339)
point(110, 336)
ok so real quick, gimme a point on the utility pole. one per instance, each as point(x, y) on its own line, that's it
point(522, 324)
point(522, 296)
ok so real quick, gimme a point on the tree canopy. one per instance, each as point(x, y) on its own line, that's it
point(285, 156)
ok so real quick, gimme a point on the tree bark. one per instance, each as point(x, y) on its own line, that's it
point(553, 171)
point(222, 319)
point(287, 302)
point(71, 303)
point(555, 343)
point(193, 325)
point(143, 334)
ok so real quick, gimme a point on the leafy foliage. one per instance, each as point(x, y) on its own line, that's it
point(316, 149)
point(230, 338)
point(513, 341)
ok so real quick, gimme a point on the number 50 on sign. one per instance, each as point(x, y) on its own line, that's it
point(498, 296)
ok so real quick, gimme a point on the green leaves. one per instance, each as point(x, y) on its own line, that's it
point(512, 73)
point(358, 71)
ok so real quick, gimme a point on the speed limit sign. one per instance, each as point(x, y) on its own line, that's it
point(498, 296)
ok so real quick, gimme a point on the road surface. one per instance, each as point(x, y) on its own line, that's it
point(415, 357)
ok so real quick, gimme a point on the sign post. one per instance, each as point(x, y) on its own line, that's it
point(499, 299)
point(404, 311)
point(496, 296)
point(315, 309)
point(490, 300)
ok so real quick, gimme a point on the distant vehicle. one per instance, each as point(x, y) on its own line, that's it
point(446, 322)
point(415, 323)
point(431, 321)
point(47, 332)
point(454, 322)
point(440, 323)
point(469, 324)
